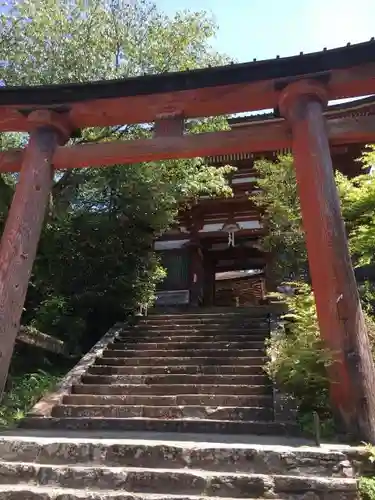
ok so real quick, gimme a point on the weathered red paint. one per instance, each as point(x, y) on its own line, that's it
point(170, 143)
point(193, 103)
point(169, 125)
point(21, 234)
point(340, 316)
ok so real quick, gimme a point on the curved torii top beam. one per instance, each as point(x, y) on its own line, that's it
point(346, 71)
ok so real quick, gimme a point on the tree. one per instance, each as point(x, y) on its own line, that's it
point(278, 201)
point(297, 357)
point(96, 256)
point(358, 206)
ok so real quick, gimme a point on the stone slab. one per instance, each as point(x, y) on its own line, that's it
point(177, 379)
point(177, 400)
point(26, 492)
point(170, 389)
point(111, 359)
point(162, 425)
point(164, 453)
point(165, 412)
point(103, 369)
point(168, 481)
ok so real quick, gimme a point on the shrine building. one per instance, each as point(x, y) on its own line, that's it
point(213, 255)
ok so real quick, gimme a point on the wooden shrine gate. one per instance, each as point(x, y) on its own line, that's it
point(298, 87)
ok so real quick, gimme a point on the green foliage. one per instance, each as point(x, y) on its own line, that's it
point(279, 202)
point(53, 42)
point(298, 360)
point(367, 158)
point(370, 324)
point(358, 206)
point(367, 293)
point(370, 449)
point(24, 392)
point(96, 259)
point(366, 486)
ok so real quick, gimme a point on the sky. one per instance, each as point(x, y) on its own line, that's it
point(262, 29)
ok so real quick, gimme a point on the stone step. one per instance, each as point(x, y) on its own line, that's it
point(166, 353)
point(183, 399)
point(216, 456)
point(30, 492)
point(170, 389)
point(201, 324)
point(216, 314)
point(101, 369)
point(208, 332)
point(180, 361)
point(176, 379)
point(169, 412)
point(176, 346)
point(201, 320)
point(219, 315)
point(168, 339)
point(161, 425)
point(169, 481)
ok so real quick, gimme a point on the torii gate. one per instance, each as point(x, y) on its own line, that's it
point(299, 87)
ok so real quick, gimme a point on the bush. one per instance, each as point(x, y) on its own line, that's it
point(25, 390)
point(297, 357)
point(366, 487)
point(366, 484)
point(370, 324)
point(298, 360)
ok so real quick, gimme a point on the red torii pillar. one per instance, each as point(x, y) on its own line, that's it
point(23, 226)
point(339, 311)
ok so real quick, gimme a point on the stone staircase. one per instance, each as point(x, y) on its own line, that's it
point(196, 381)
point(192, 372)
point(69, 468)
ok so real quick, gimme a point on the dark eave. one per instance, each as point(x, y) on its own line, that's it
point(350, 107)
point(286, 68)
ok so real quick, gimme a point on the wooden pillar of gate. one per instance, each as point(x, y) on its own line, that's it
point(23, 226)
point(340, 316)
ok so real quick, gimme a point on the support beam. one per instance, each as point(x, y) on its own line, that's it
point(256, 138)
point(169, 125)
point(340, 316)
point(22, 230)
